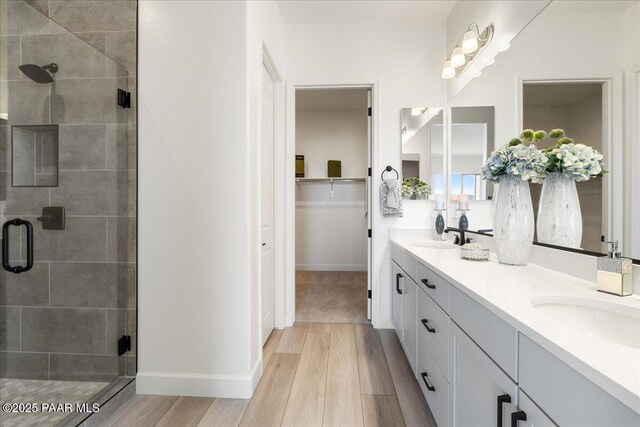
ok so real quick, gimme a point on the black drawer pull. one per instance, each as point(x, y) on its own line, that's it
point(398, 277)
point(518, 416)
point(425, 322)
point(502, 399)
point(424, 378)
point(427, 284)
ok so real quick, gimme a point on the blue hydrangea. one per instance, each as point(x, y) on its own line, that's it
point(522, 161)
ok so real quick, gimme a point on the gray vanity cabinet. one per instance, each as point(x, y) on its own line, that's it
point(476, 385)
point(397, 277)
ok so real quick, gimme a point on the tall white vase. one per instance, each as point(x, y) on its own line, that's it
point(559, 215)
point(513, 222)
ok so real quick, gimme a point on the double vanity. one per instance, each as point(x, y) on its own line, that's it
point(492, 344)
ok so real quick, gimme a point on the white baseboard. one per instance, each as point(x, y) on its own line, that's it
point(330, 267)
point(199, 385)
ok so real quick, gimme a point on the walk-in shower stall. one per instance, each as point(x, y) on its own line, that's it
point(67, 204)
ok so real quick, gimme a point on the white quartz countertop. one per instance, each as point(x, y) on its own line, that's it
point(508, 291)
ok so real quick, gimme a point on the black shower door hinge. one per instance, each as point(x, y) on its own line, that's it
point(369, 110)
point(124, 344)
point(369, 172)
point(124, 98)
point(369, 293)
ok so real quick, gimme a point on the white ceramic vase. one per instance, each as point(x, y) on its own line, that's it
point(559, 215)
point(513, 222)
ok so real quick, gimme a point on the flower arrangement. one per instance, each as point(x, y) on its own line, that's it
point(578, 162)
point(519, 158)
point(413, 188)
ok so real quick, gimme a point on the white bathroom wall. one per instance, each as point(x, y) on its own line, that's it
point(403, 60)
point(198, 115)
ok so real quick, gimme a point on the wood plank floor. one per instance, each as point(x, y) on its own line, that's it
point(314, 375)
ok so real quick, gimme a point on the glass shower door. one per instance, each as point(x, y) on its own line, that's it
point(67, 210)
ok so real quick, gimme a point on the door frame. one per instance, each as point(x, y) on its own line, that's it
point(279, 115)
point(288, 286)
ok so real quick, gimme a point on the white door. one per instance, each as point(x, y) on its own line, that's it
point(267, 265)
point(368, 197)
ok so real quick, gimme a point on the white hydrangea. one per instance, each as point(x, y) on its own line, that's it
point(577, 161)
point(522, 161)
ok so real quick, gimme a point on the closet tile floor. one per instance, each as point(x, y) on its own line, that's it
point(331, 296)
point(316, 374)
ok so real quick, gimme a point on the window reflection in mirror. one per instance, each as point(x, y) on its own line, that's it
point(422, 152)
point(472, 140)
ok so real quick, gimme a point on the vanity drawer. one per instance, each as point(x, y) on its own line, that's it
point(497, 338)
point(404, 260)
point(435, 286)
point(433, 331)
point(437, 397)
point(565, 395)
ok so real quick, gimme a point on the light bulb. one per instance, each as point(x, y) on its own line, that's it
point(447, 70)
point(457, 57)
point(469, 42)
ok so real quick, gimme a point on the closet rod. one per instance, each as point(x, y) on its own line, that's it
point(330, 179)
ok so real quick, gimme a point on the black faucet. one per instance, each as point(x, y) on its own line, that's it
point(460, 238)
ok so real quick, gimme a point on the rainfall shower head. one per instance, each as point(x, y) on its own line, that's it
point(39, 73)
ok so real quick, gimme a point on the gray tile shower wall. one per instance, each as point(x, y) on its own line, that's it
point(62, 319)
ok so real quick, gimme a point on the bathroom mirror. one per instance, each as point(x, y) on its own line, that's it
point(34, 156)
point(422, 152)
point(472, 140)
point(560, 73)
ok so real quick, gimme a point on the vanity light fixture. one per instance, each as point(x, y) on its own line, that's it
point(447, 70)
point(462, 56)
point(458, 59)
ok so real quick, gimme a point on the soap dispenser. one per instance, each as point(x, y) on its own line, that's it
point(614, 272)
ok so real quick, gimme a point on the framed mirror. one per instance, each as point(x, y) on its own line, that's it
point(422, 152)
point(560, 74)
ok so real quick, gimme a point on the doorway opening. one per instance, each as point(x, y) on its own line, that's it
point(332, 196)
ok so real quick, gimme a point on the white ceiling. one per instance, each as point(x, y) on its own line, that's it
point(325, 12)
point(582, 6)
point(331, 99)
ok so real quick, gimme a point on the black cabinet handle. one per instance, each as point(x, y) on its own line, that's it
point(398, 277)
point(425, 322)
point(502, 399)
point(518, 416)
point(5, 246)
point(424, 378)
point(427, 284)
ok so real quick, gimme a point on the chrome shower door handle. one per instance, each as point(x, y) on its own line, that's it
point(5, 246)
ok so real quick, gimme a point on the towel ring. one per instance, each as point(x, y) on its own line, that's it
point(389, 169)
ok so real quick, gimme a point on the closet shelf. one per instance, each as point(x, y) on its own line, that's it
point(330, 179)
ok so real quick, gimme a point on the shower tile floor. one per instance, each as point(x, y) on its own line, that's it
point(331, 296)
point(43, 391)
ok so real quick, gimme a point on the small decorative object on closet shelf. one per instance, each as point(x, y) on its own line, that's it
point(559, 214)
point(513, 166)
point(299, 166)
point(474, 252)
point(334, 168)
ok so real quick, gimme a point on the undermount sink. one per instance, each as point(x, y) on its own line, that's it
point(610, 321)
point(434, 245)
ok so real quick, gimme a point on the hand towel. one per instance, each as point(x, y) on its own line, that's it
point(391, 198)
